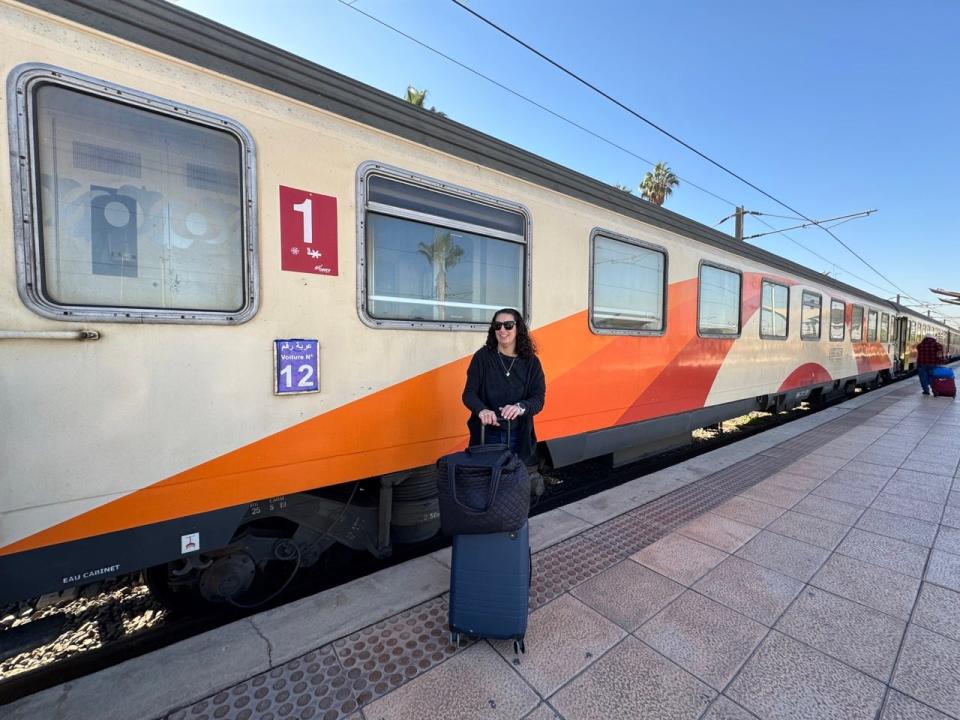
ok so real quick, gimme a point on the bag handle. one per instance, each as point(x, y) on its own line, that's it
point(495, 472)
point(491, 493)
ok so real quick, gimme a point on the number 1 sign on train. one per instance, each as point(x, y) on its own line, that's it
point(308, 232)
point(296, 366)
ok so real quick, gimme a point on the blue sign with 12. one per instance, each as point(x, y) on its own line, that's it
point(297, 366)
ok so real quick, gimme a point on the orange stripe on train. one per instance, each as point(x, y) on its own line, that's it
point(367, 437)
point(594, 381)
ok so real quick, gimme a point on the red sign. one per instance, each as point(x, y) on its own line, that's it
point(308, 232)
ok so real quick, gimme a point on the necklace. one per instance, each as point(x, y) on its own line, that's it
point(506, 369)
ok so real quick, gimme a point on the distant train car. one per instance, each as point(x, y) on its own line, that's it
point(911, 329)
point(240, 293)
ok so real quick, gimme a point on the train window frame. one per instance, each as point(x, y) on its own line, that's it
point(786, 334)
point(843, 320)
point(599, 232)
point(22, 84)
point(884, 327)
point(725, 268)
point(819, 335)
point(872, 332)
point(373, 168)
point(858, 336)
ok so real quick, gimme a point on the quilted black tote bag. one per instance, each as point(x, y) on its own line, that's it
point(484, 489)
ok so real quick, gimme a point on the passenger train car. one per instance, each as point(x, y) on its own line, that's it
point(240, 293)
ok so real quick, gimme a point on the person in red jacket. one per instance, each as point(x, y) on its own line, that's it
point(929, 355)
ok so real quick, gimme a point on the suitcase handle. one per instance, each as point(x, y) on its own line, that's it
point(483, 430)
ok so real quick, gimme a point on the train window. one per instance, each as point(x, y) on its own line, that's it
point(718, 310)
point(810, 312)
point(626, 285)
point(856, 324)
point(138, 210)
point(884, 328)
point(774, 310)
point(837, 310)
point(872, 326)
point(437, 256)
point(912, 331)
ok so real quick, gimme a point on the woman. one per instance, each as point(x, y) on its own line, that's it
point(505, 377)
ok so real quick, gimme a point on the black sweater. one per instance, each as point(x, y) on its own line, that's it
point(490, 388)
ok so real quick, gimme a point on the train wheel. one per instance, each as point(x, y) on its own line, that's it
point(177, 596)
point(201, 584)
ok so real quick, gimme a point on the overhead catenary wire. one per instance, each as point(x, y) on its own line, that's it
point(599, 137)
point(526, 99)
point(780, 217)
point(843, 218)
point(826, 260)
point(670, 135)
point(742, 212)
point(843, 222)
point(633, 154)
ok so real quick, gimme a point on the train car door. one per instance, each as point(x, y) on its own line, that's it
point(901, 350)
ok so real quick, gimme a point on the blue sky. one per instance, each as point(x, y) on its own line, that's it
point(831, 107)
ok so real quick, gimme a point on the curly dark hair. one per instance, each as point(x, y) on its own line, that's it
point(526, 347)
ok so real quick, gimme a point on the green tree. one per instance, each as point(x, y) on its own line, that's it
point(623, 188)
point(418, 98)
point(658, 184)
point(442, 254)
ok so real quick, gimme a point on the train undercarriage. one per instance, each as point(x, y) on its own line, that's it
point(280, 536)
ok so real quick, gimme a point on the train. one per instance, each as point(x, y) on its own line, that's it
point(240, 292)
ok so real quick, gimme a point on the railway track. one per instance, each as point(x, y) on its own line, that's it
point(43, 646)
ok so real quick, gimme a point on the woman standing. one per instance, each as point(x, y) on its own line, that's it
point(505, 377)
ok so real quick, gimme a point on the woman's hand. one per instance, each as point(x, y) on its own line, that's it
point(488, 417)
point(511, 412)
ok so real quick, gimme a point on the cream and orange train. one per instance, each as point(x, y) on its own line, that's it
point(239, 292)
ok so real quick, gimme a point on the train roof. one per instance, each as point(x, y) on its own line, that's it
point(180, 33)
point(904, 310)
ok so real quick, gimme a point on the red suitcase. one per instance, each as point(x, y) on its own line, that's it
point(943, 387)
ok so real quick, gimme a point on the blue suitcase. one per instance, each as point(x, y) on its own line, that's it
point(490, 586)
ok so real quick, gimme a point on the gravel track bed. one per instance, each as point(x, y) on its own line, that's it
point(98, 615)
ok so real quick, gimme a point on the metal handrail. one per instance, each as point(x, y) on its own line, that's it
point(49, 335)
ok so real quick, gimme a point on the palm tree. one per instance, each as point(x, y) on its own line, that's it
point(658, 184)
point(442, 254)
point(624, 188)
point(418, 98)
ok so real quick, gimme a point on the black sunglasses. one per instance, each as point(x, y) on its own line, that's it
point(508, 324)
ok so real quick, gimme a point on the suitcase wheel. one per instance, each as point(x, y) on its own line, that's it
point(519, 646)
point(455, 639)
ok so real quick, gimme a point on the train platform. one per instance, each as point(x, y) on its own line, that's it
point(811, 571)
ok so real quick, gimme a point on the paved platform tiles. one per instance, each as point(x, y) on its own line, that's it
point(814, 574)
point(774, 582)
